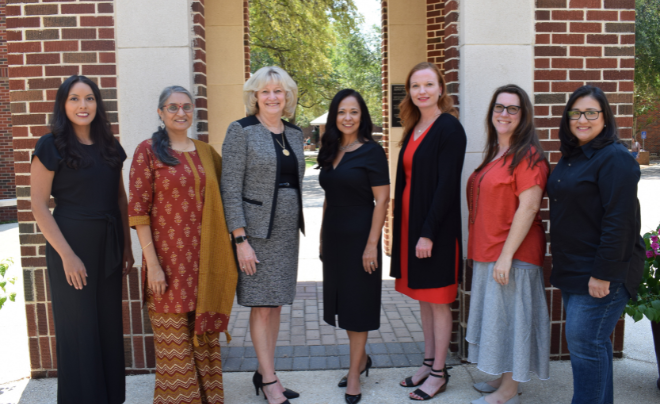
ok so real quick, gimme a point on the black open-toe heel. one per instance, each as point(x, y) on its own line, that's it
point(268, 384)
point(257, 379)
point(409, 383)
point(344, 381)
point(423, 395)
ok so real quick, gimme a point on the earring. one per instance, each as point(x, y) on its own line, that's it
point(162, 125)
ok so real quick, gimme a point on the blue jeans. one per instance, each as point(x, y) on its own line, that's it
point(589, 324)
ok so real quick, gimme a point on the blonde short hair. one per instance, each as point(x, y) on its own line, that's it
point(261, 79)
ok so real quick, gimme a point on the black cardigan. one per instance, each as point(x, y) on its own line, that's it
point(435, 205)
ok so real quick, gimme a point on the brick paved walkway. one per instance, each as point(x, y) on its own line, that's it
point(306, 342)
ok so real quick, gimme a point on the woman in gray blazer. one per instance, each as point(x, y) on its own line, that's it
point(262, 174)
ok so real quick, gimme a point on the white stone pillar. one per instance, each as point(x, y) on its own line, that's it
point(496, 46)
point(154, 50)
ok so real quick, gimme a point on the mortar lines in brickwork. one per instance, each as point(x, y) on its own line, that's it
point(47, 42)
point(580, 42)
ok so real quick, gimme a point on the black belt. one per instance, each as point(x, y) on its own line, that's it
point(113, 251)
point(287, 185)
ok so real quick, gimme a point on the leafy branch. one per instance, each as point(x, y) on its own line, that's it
point(4, 266)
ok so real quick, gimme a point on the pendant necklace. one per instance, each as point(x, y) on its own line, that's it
point(283, 145)
point(425, 126)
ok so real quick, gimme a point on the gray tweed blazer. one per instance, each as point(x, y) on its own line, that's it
point(250, 175)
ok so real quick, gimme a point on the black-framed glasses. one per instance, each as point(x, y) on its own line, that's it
point(511, 109)
point(174, 108)
point(575, 115)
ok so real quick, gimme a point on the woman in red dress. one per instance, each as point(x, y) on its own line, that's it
point(426, 248)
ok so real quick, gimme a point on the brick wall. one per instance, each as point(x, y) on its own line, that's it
point(652, 142)
point(580, 42)
point(7, 183)
point(199, 69)
point(387, 237)
point(47, 42)
point(435, 33)
point(451, 55)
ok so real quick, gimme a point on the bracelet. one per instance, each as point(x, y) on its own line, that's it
point(146, 246)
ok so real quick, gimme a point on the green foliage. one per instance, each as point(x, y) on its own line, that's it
point(357, 62)
point(4, 266)
point(647, 59)
point(319, 44)
point(648, 299)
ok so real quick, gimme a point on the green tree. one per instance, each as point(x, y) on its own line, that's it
point(357, 62)
point(647, 59)
point(300, 36)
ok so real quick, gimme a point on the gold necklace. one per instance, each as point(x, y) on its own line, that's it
point(283, 145)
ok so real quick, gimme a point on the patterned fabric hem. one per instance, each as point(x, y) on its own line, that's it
point(138, 220)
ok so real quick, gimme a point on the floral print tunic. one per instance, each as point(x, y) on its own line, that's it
point(170, 199)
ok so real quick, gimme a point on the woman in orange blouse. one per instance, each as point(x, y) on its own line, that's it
point(508, 328)
point(189, 271)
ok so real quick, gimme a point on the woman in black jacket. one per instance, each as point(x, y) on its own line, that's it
point(426, 248)
point(597, 252)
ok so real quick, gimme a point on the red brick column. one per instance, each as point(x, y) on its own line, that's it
point(580, 42)
point(451, 55)
point(435, 33)
point(387, 237)
point(7, 182)
point(199, 67)
point(47, 42)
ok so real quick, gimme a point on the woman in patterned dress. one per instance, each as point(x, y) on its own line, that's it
point(189, 271)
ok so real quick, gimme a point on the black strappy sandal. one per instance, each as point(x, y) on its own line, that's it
point(423, 395)
point(409, 382)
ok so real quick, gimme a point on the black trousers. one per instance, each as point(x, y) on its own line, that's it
point(88, 322)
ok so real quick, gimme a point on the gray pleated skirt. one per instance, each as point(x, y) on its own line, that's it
point(274, 284)
point(509, 327)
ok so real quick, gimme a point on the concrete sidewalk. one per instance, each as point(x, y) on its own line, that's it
point(634, 383)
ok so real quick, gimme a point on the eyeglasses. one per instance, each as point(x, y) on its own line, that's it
point(511, 109)
point(174, 108)
point(575, 115)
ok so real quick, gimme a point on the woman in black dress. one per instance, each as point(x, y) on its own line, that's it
point(88, 247)
point(354, 174)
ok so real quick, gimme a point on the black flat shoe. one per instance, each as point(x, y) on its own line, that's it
point(409, 382)
point(344, 381)
point(257, 379)
point(352, 399)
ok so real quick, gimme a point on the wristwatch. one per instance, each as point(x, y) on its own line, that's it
point(240, 239)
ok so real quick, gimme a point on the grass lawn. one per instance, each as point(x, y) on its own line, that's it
point(310, 162)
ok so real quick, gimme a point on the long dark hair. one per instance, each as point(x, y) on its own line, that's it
point(409, 112)
point(64, 136)
point(331, 139)
point(160, 141)
point(610, 133)
point(524, 142)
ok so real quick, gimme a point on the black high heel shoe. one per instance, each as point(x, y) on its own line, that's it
point(352, 399)
point(268, 384)
point(258, 379)
point(344, 381)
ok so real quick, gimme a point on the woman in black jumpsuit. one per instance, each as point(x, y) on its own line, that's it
point(354, 174)
point(88, 244)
